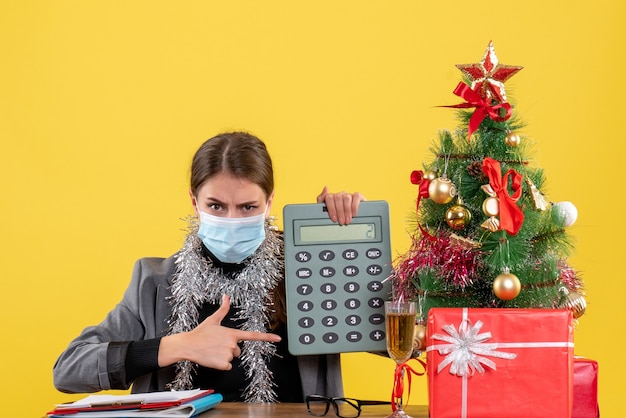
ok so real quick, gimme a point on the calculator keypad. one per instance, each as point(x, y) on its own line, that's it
point(341, 296)
point(335, 283)
point(347, 291)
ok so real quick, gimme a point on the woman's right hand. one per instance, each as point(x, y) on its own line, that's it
point(209, 344)
point(342, 206)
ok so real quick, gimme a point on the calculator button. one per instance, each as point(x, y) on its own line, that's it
point(329, 304)
point(354, 336)
point(304, 289)
point(353, 320)
point(376, 303)
point(377, 319)
point(303, 256)
point(305, 306)
point(351, 287)
point(377, 335)
point(373, 253)
point(306, 339)
point(328, 288)
point(374, 286)
point(374, 270)
point(352, 303)
point(350, 271)
point(326, 255)
point(306, 322)
point(329, 321)
point(304, 273)
point(327, 272)
point(350, 254)
point(330, 337)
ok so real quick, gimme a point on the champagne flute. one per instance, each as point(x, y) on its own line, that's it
point(400, 329)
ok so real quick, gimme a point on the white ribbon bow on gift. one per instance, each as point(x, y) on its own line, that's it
point(467, 349)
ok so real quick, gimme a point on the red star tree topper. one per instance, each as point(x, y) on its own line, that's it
point(488, 75)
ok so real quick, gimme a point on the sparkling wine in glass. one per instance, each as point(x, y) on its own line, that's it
point(400, 329)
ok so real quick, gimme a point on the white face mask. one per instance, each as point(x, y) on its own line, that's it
point(232, 240)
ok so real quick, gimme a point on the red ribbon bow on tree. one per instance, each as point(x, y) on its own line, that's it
point(483, 108)
point(398, 381)
point(417, 177)
point(511, 216)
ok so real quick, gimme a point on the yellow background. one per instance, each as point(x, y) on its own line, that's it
point(102, 104)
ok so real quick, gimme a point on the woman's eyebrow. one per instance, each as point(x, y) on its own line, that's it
point(210, 199)
point(250, 203)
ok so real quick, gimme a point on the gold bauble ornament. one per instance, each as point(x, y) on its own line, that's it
point(506, 286)
point(441, 190)
point(419, 342)
point(430, 175)
point(491, 206)
point(576, 303)
point(512, 139)
point(458, 216)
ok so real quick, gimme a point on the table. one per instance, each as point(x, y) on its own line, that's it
point(298, 410)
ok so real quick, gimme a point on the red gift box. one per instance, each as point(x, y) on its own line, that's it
point(495, 363)
point(585, 388)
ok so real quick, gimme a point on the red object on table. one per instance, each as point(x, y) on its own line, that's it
point(494, 363)
point(585, 388)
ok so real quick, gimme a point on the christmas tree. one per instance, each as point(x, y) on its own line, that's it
point(485, 235)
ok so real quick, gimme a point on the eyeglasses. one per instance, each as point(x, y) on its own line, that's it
point(344, 407)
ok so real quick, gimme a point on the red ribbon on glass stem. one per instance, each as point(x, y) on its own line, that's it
point(483, 108)
point(511, 216)
point(398, 382)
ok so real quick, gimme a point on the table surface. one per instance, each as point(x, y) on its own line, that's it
point(297, 410)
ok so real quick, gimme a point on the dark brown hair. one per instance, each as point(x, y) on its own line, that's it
point(244, 156)
point(238, 153)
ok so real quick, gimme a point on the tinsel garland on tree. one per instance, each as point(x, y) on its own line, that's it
point(485, 233)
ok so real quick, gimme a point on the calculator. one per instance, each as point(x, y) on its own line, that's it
point(335, 279)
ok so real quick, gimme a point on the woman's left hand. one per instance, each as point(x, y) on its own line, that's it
point(342, 206)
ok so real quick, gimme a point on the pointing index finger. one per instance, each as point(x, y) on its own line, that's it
point(257, 336)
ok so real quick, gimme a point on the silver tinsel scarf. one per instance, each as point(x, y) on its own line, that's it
point(198, 281)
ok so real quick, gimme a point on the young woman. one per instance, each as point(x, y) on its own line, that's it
point(213, 314)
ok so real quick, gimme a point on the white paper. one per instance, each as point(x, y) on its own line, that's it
point(136, 398)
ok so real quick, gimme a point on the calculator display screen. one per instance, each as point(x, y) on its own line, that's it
point(338, 233)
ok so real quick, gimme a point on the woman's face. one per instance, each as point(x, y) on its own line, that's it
point(231, 197)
